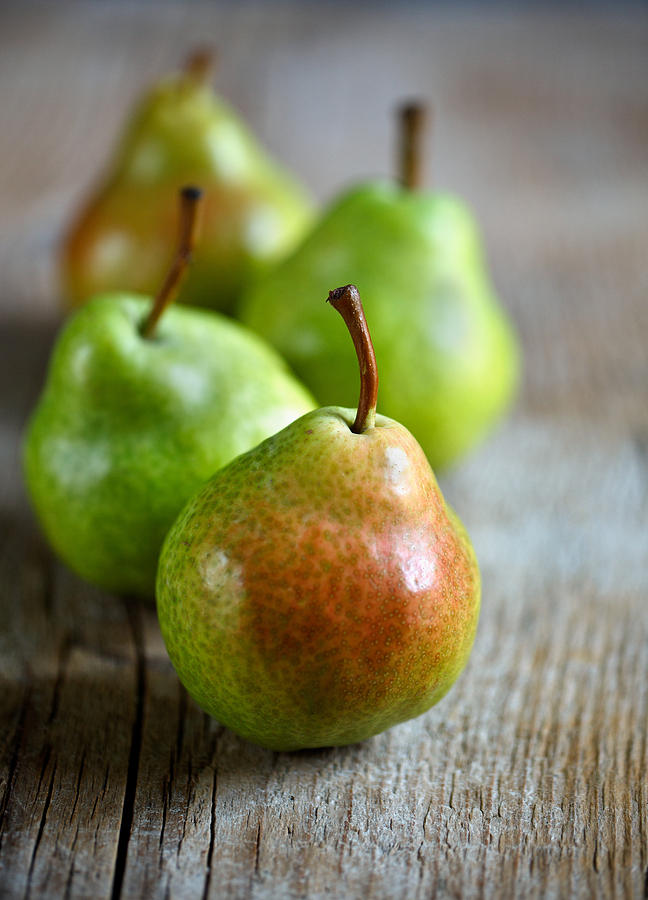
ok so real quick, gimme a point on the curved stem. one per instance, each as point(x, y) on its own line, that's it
point(413, 118)
point(200, 64)
point(348, 303)
point(190, 198)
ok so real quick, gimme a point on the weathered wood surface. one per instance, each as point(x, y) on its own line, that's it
point(531, 778)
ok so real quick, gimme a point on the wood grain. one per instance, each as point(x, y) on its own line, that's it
point(530, 778)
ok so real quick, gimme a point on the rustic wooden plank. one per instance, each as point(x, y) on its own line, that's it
point(171, 841)
point(529, 779)
point(68, 676)
point(71, 669)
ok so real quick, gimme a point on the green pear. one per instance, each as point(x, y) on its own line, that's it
point(417, 259)
point(137, 412)
point(181, 133)
point(318, 589)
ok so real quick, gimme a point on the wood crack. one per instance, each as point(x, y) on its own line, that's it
point(187, 806)
point(257, 849)
point(41, 826)
point(166, 790)
point(128, 808)
point(78, 787)
point(212, 836)
point(13, 763)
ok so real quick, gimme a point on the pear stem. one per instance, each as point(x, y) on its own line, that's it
point(200, 64)
point(348, 303)
point(413, 120)
point(190, 199)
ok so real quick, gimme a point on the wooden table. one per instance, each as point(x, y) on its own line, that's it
point(530, 778)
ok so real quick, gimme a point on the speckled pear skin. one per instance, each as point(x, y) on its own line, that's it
point(318, 590)
point(128, 428)
point(417, 261)
point(181, 133)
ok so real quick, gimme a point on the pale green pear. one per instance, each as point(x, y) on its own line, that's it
point(417, 259)
point(140, 407)
point(128, 428)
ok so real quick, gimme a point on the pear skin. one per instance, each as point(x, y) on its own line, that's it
point(318, 589)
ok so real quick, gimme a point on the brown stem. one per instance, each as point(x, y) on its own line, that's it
point(413, 118)
point(348, 303)
point(200, 64)
point(190, 198)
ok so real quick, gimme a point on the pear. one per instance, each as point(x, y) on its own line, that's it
point(182, 133)
point(417, 259)
point(138, 410)
point(318, 589)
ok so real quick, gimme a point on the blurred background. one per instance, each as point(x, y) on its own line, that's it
point(540, 125)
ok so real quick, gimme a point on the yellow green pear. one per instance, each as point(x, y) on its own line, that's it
point(182, 133)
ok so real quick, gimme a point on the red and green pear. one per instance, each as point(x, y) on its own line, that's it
point(318, 589)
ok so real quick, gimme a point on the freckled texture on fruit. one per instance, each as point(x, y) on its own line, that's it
point(318, 590)
point(127, 429)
